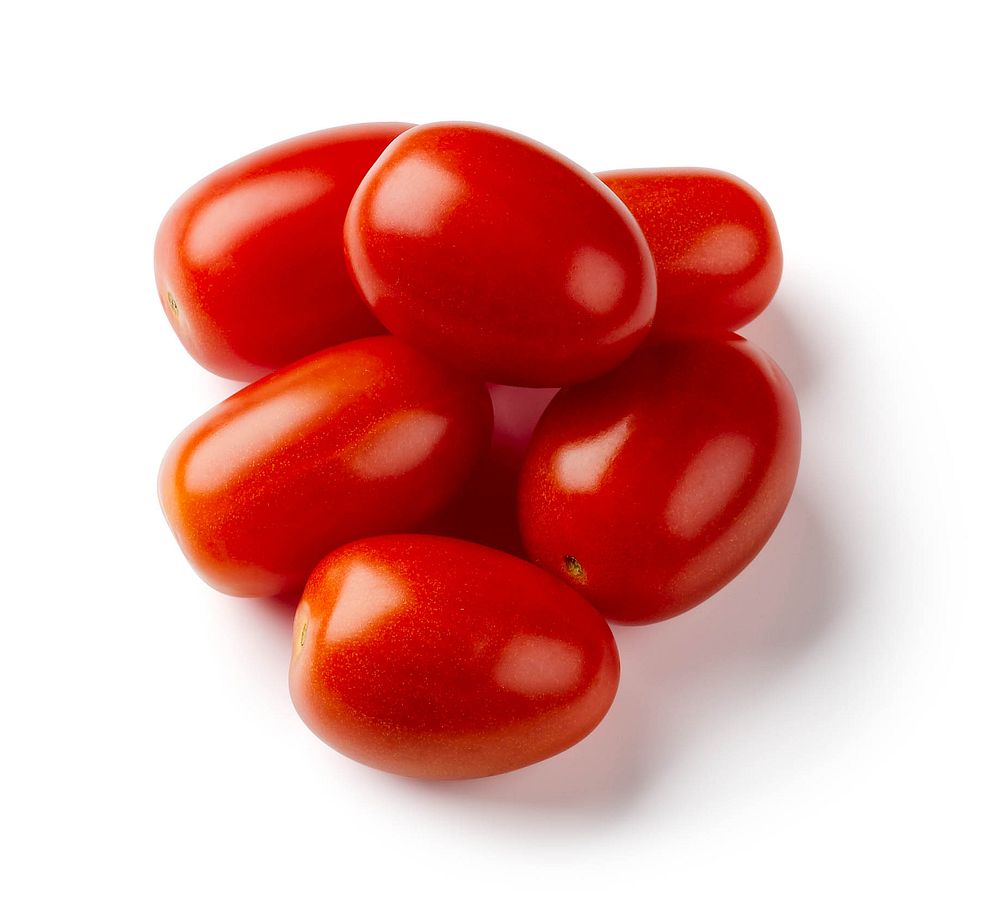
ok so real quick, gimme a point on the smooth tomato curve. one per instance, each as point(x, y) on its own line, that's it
point(442, 659)
point(500, 256)
point(714, 241)
point(368, 437)
point(650, 488)
point(249, 262)
point(484, 510)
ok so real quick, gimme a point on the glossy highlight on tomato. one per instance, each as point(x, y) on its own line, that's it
point(650, 488)
point(442, 659)
point(367, 437)
point(249, 262)
point(715, 244)
point(500, 256)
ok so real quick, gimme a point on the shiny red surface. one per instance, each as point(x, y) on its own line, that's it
point(714, 241)
point(484, 510)
point(442, 659)
point(650, 488)
point(249, 262)
point(500, 256)
point(368, 437)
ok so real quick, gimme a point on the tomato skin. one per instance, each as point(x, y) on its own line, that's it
point(652, 487)
point(249, 263)
point(368, 437)
point(441, 659)
point(484, 510)
point(500, 256)
point(715, 244)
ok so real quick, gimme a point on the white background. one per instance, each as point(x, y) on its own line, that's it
point(820, 733)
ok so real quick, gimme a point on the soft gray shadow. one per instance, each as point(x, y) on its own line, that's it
point(213, 388)
point(275, 609)
point(680, 678)
point(260, 631)
point(774, 330)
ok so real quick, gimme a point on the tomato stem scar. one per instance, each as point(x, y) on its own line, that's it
point(302, 633)
point(574, 568)
point(172, 303)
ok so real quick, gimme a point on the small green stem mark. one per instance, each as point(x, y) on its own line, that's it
point(574, 569)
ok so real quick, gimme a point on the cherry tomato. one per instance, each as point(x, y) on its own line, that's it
point(650, 488)
point(368, 437)
point(442, 659)
point(714, 241)
point(500, 256)
point(249, 262)
point(485, 509)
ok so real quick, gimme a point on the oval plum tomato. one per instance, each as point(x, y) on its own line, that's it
point(249, 262)
point(442, 659)
point(652, 487)
point(500, 256)
point(714, 241)
point(368, 437)
point(484, 510)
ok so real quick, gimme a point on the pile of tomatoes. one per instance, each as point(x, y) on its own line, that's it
point(405, 301)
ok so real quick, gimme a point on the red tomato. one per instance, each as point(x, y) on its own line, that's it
point(368, 437)
point(442, 659)
point(652, 487)
point(484, 510)
point(249, 262)
point(714, 241)
point(500, 256)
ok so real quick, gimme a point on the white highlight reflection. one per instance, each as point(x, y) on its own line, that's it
point(415, 196)
point(228, 220)
point(252, 434)
point(708, 484)
point(724, 249)
point(579, 467)
point(366, 596)
point(595, 280)
point(536, 666)
point(398, 443)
